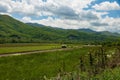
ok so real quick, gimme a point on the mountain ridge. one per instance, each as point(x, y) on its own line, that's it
point(12, 30)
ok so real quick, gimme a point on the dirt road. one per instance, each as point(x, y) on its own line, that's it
point(33, 52)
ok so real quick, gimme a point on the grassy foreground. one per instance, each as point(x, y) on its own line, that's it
point(85, 63)
point(35, 66)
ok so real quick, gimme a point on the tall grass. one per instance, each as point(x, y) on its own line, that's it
point(96, 65)
point(35, 66)
point(87, 63)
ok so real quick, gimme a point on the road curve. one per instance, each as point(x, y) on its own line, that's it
point(33, 52)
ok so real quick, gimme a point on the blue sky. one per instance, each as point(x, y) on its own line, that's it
point(98, 15)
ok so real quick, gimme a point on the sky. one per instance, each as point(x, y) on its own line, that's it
point(98, 15)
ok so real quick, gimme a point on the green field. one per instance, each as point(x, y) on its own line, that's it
point(11, 48)
point(49, 64)
point(35, 66)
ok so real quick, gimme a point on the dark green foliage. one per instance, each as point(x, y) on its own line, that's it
point(82, 67)
point(91, 59)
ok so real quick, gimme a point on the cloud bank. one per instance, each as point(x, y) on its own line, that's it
point(68, 14)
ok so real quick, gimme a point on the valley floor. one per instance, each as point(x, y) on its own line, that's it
point(72, 63)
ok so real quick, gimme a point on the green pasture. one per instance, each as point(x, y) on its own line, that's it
point(49, 64)
point(11, 48)
point(35, 66)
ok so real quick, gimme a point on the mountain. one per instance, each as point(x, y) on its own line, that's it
point(40, 25)
point(12, 30)
point(79, 34)
point(87, 30)
point(109, 33)
point(35, 24)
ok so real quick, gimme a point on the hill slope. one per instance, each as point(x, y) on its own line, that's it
point(12, 30)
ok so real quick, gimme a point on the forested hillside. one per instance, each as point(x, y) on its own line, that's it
point(14, 31)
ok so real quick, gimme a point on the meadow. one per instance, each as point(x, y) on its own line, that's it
point(35, 66)
point(12, 48)
point(70, 64)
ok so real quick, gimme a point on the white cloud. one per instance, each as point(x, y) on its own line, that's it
point(5, 7)
point(23, 8)
point(69, 14)
point(26, 19)
point(39, 8)
point(114, 24)
point(61, 23)
point(107, 6)
point(106, 24)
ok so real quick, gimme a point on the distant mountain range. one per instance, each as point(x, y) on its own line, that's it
point(12, 30)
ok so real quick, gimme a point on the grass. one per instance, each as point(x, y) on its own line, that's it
point(11, 48)
point(109, 74)
point(35, 66)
